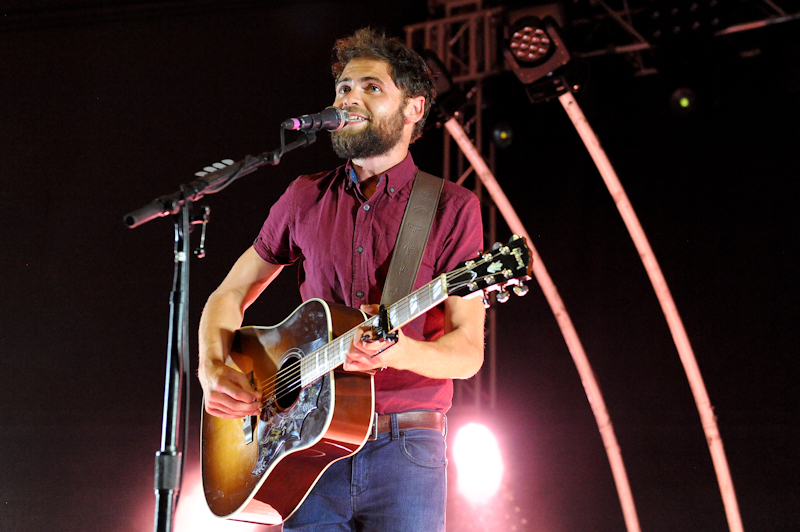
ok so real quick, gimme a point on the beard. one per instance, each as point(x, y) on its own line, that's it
point(378, 137)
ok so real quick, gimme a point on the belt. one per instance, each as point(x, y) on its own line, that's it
point(415, 419)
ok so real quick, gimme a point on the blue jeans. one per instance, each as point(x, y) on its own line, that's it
point(396, 483)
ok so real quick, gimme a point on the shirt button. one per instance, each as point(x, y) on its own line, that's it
point(360, 249)
point(360, 293)
point(391, 190)
point(366, 207)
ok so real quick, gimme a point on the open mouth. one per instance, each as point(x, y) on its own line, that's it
point(356, 118)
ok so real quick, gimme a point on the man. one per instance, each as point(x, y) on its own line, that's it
point(342, 226)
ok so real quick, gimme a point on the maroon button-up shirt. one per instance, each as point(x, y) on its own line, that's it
point(344, 243)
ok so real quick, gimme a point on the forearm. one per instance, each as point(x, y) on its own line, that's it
point(455, 355)
point(458, 354)
point(224, 311)
point(222, 315)
point(227, 392)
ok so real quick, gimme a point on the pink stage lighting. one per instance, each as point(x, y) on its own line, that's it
point(479, 466)
point(193, 513)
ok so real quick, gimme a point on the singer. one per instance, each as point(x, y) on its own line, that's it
point(341, 225)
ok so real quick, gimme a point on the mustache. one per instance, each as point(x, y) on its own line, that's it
point(356, 109)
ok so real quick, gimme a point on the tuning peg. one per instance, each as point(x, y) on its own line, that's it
point(502, 296)
point(497, 246)
point(520, 289)
point(513, 238)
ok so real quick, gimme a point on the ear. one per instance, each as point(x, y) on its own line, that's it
point(415, 109)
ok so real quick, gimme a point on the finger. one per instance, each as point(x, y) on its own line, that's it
point(370, 310)
point(242, 388)
point(361, 367)
point(230, 407)
point(226, 414)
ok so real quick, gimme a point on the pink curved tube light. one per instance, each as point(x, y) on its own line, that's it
point(679, 336)
point(574, 345)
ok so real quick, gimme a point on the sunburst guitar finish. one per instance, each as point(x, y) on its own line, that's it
point(261, 468)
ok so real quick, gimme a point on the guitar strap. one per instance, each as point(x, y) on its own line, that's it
point(413, 237)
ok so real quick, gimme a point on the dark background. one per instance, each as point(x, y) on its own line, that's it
point(103, 107)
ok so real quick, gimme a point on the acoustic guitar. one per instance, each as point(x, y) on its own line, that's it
point(261, 468)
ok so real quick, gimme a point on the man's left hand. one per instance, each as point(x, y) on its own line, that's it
point(369, 356)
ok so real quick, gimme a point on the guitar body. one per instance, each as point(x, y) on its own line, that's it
point(261, 468)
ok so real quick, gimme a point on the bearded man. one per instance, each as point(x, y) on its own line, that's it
point(342, 226)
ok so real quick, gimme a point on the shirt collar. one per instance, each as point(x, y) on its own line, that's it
point(395, 177)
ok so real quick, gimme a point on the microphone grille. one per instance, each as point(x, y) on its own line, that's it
point(342, 116)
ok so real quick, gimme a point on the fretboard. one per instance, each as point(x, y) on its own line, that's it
point(326, 358)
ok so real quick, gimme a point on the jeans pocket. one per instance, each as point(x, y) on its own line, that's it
point(423, 447)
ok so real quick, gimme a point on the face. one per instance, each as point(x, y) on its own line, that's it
point(377, 110)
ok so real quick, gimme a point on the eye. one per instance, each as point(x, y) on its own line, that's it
point(344, 89)
point(374, 88)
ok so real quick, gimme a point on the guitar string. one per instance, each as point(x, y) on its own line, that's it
point(289, 379)
point(293, 369)
point(291, 372)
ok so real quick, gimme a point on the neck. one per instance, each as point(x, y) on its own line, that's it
point(376, 166)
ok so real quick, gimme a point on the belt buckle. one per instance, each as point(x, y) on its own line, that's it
point(374, 431)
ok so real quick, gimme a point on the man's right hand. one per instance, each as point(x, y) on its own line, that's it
point(227, 392)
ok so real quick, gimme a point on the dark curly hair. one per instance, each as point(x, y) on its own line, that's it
point(408, 70)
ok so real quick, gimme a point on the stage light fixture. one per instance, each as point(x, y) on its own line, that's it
point(529, 45)
point(449, 98)
point(683, 101)
point(502, 135)
point(534, 48)
point(672, 21)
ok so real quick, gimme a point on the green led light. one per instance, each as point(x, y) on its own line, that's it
point(684, 102)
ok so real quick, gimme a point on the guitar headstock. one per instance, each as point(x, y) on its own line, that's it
point(506, 265)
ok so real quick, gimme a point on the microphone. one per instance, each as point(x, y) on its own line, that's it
point(330, 119)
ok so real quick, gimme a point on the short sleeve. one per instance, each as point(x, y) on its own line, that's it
point(464, 240)
point(275, 242)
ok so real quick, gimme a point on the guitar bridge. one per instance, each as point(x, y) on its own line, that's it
point(248, 421)
point(247, 428)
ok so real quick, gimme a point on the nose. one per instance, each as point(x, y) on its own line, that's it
point(343, 102)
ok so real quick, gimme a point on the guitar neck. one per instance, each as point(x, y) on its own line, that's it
point(326, 358)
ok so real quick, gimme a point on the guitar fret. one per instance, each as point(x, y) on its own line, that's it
point(326, 358)
point(394, 314)
point(437, 290)
point(412, 304)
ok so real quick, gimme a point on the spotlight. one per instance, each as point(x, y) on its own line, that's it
point(534, 49)
point(502, 135)
point(478, 462)
point(683, 101)
point(530, 45)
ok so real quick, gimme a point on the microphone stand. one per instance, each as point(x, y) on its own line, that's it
point(169, 459)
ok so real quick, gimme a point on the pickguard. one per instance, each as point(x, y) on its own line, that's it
point(281, 431)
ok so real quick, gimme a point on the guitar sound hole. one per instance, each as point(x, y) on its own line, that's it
point(288, 383)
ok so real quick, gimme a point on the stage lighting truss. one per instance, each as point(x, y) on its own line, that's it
point(631, 27)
